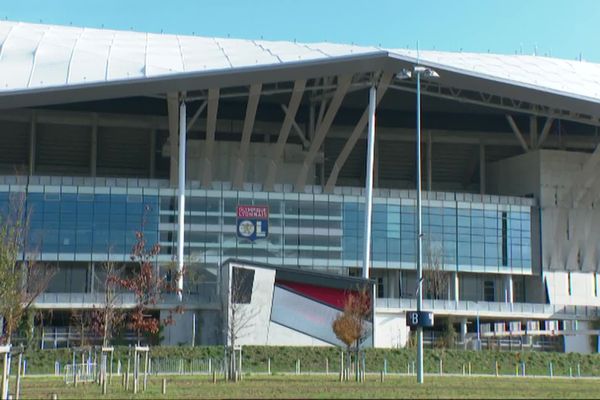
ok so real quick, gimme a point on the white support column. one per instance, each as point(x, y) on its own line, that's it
point(32, 141)
point(209, 143)
point(277, 149)
point(463, 330)
point(508, 289)
point(369, 183)
point(343, 83)
point(456, 286)
point(253, 97)
point(181, 194)
point(356, 134)
point(94, 146)
point(482, 171)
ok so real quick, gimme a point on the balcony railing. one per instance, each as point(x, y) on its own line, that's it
point(496, 308)
point(88, 300)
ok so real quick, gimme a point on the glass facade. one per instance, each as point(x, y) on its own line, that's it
point(84, 225)
point(309, 230)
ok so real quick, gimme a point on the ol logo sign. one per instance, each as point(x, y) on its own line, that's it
point(252, 222)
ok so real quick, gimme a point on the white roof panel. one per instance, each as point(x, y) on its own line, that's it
point(90, 56)
point(127, 57)
point(52, 57)
point(163, 54)
point(569, 77)
point(17, 55)
point(45, 56)
point(200, 54)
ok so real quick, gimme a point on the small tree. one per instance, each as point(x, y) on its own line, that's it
point(350, 325)
point(240, 315)
point(107, 318)
point(22, 277)
point(435, 278)
point(81, 320)
point(148, 287)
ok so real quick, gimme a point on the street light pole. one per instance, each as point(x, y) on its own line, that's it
point(419, 236)
point(431, 74)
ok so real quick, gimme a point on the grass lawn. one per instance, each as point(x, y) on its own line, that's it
point(320, 386)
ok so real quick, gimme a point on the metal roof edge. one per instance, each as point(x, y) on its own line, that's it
point(227, 77)
point(489, 77)
point(316, 274)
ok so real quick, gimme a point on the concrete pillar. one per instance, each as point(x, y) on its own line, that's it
point(508, 289)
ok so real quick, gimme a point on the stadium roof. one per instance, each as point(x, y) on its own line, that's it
point(45, 64)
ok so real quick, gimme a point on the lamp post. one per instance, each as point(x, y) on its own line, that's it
point(427, 73)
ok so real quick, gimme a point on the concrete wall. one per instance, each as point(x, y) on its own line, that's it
point(583, 290)
point(515, 176)
point(391, 330)
point(251, 321)
point(565, 231)
point(181, 332)
point(279, 335)
point(579, 343)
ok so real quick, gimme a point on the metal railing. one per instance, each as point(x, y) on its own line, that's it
point(207, 298)
point(487, 307)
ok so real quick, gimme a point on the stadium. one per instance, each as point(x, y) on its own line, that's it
point(92, 123)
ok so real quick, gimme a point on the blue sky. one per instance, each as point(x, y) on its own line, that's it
point(561, 28)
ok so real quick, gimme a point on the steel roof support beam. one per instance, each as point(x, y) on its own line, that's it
point(517, 132)
point(297, 129)
point(500, 103)
point(286, 126)
point(356, 134)
point(322, 129)
point(253, 98)
point(196, 115)
point(545, 131)
point(209, 142)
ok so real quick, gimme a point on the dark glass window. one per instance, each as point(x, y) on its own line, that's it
point(241, 285)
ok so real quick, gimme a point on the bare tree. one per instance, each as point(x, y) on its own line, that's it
point(350, 326)
point(435, 278)
point(81, 320)
point(240, 314)
point(22, 277)
point(107, 318)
